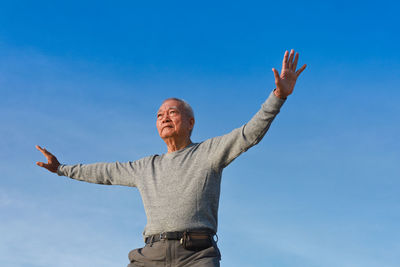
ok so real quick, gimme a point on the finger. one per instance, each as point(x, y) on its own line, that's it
point(285, 59)
point(296, 58)
point(291, 58)
point(301, 70)
point(43, 150)
point(276, 75)
point(46, 153)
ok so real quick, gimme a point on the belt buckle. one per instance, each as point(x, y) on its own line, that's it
point(163, 236)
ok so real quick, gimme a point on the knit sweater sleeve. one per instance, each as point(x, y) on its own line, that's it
point(116, 173)
point(224, 149)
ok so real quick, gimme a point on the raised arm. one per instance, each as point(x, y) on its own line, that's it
point(224, 149)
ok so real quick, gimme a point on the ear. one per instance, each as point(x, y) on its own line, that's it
point(191, 123)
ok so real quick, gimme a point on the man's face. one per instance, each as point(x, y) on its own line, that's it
point(172, 121)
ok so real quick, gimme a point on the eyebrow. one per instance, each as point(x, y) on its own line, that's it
point(173, 107)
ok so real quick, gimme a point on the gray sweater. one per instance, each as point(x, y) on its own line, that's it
point(180, 190)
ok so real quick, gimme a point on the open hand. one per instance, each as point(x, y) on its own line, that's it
point(52, 162)
point(286, 81)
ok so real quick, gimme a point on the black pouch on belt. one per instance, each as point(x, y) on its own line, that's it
point(196, 241)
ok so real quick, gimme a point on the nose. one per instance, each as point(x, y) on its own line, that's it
point(165, 118)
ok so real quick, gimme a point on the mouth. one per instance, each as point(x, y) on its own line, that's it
point(167, 126)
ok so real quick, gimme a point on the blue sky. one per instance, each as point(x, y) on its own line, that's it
point(85, 78)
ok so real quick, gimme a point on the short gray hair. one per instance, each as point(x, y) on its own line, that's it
point(188, 109)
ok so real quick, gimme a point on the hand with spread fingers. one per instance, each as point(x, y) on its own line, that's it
point(52, 162)
point(286, 81)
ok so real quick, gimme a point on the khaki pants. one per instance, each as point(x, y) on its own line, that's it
point(170, 253)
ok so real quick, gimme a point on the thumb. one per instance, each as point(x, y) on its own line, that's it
point(276, 74)
point(40, 164)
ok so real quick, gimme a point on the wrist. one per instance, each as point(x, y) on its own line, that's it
point(54, 166)
point(278, 94)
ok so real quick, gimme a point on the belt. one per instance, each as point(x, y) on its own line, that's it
point(177, 235)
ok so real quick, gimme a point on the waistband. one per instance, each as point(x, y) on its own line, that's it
point(206, 233)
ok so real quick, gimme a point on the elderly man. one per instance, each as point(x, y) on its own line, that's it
point(180, 189)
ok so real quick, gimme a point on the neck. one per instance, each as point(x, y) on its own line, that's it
point(175, 144)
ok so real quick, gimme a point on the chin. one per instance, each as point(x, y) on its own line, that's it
point(167, 135)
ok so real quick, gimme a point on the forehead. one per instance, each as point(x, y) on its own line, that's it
point(168, 104)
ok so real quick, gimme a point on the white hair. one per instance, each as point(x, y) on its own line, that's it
point(188, 109)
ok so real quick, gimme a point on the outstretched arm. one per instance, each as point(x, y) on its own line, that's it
point(114, 173)
point(286, 81)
